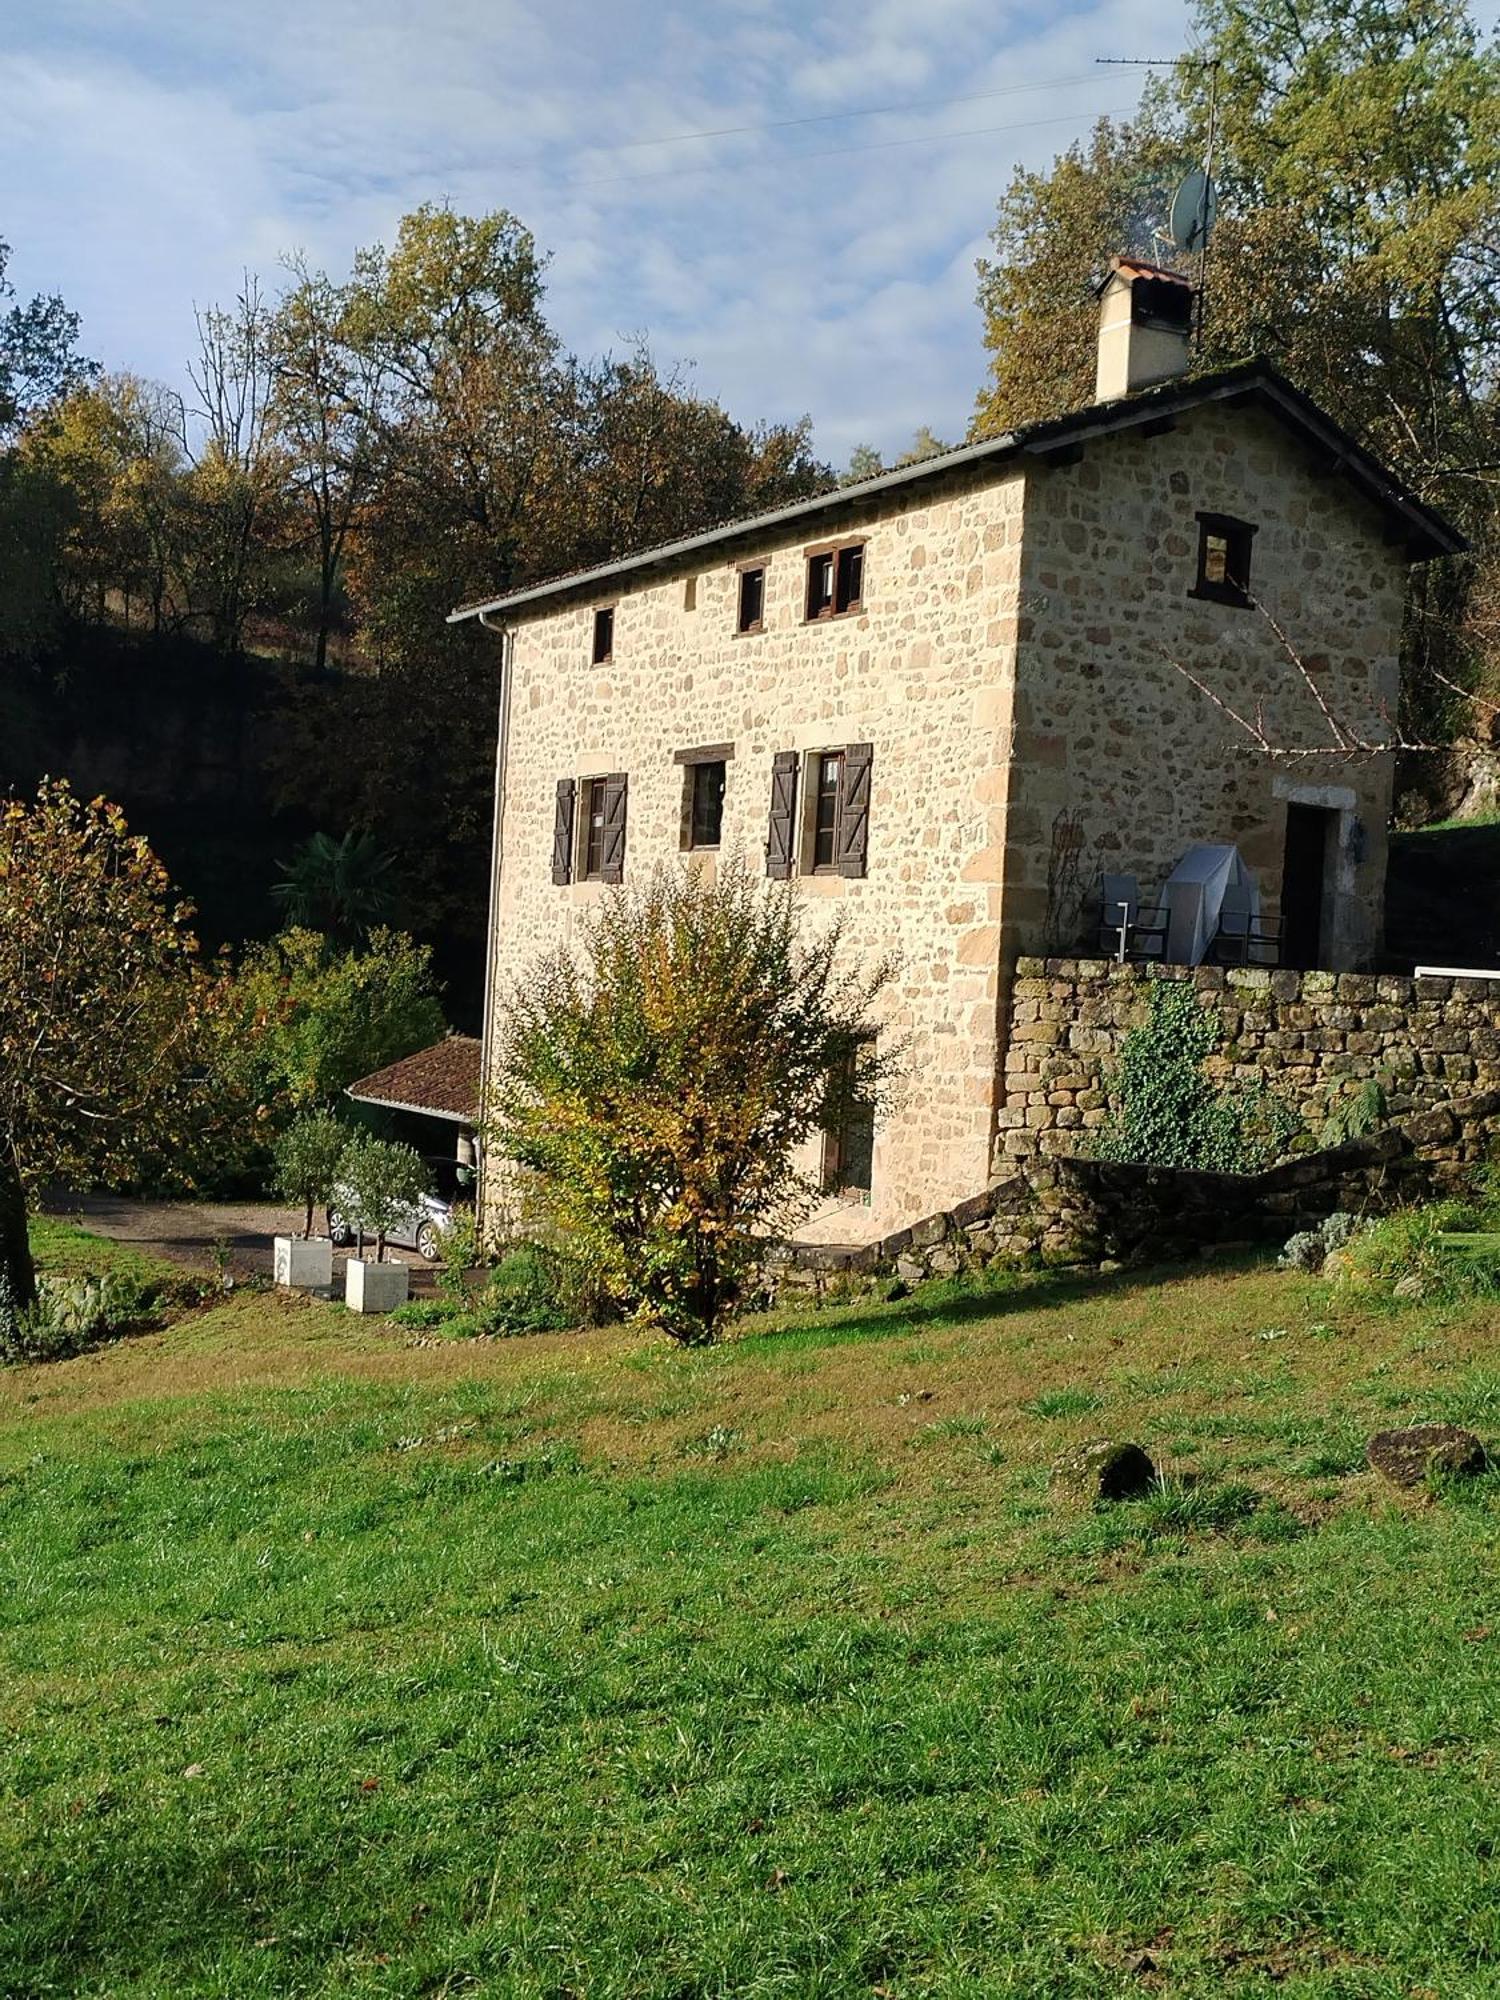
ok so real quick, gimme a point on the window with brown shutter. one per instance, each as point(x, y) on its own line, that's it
point(612, 864)
point(781, 836)
point(827, 786)
point(852, 838)
point(562, 832)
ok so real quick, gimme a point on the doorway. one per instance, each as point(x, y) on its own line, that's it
point(1310, 836)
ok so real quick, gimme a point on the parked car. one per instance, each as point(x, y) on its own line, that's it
point(421, 1228)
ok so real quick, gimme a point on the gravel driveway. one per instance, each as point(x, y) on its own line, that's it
point(188, 1231)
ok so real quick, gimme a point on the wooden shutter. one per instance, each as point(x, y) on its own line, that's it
point(781, 838)
point(562, 832)
point(612, 865)
point(851, 841)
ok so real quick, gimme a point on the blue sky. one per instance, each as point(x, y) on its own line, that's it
point(152, 149)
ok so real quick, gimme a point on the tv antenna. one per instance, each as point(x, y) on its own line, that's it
point(1195, 206)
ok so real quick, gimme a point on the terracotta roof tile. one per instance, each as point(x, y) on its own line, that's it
point(442, 1081)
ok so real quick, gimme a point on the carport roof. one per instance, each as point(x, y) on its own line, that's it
point(440, 1082)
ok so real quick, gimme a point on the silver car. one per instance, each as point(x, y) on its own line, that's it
point(421, 1227)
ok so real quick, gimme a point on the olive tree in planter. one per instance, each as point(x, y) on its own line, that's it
point(307, 1167)
point(381, 1181)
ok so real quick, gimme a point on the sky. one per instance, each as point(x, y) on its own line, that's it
point(153, 150)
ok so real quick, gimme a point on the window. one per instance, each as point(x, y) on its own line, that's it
point(593, 830)
point(830, 795)
point(835, 580)
point(752, 600)
point(690, 594)
point(703, 782)
point(828, 779)
point(708, 804)
point(601, 829)
point(820, 586)
point(1223, 559)
point(604, 635)
point(849, 578)
point(848, 1133)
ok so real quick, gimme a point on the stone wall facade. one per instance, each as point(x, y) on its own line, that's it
point(1012, 664)
point(1111, 733)
point(923, 672)
point(1316, 1037)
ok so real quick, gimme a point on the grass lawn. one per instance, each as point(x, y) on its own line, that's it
point(338, 1664)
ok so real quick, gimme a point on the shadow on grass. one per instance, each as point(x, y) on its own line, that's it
point(944, 1303)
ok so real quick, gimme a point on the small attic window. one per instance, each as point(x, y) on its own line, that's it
point(604, 635)
point(1224, 546)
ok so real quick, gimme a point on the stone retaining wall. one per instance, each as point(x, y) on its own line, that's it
point(1062, 1210)
point(1316, 1037)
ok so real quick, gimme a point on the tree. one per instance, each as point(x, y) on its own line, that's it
point(342, 887)
point(303, 1020)
point(307, 1156)
point(381, 1181)
point(105, 1012)
point(39, 358)
point(1358, 246)
point(656, 1087)
point(237, 482)
point(326, 403)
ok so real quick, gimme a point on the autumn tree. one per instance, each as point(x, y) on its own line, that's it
point(1357, 246)
point(105, 1012)
point(656, 1082)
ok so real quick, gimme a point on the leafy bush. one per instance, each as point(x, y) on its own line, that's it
point(1406, 1254)
point(657, 1088)
point(1353, 1117)
point(1307, 1250)
point(307, 1160)
point(378, 1181)
point(461, 1252)
point(1167, 1111)
point(527, 1292)
point(69, 1315)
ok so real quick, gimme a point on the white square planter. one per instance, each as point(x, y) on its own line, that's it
point(304, 1262)
point(375, 1288)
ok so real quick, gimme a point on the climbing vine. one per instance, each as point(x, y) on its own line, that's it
point(1167, 1111)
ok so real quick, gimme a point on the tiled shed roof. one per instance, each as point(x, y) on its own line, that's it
point(440, 1082)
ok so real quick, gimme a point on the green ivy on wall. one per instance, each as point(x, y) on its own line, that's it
point(1165, 1109)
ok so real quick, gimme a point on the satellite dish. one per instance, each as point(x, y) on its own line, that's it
point(1194, 207)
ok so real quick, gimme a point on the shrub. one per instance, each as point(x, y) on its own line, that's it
point(1168, 1112)
point(69, 1315)
point(1353, 1117)
point(460, 1253)
point(1406, 1254)
point(380, 1180)
point(307, 1160)
point(1307, 1250)
point(657, 1086)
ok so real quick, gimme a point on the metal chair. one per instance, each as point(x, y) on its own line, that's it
point(1128, 929)
point(1244, 937)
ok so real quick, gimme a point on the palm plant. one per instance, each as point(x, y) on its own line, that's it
point(343, 888)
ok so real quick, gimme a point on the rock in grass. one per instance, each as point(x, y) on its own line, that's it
point(1105, 1470)
point(1408, 1456)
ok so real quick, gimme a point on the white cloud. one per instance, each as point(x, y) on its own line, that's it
point(153, 148)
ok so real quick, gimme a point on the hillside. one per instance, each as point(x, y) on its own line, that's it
point(576, 1665)
point(1443, 897)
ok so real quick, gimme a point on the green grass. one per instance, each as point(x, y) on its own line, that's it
point(333, 1665)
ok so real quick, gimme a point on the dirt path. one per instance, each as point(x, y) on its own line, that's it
point(189, 1232)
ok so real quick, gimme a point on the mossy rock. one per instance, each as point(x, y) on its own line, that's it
point(1104, 1469)
point(1411, 1455)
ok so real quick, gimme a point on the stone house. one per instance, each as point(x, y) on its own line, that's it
point(947, 698)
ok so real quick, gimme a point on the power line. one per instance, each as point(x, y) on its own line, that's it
point(834, 117)
point(844, 152)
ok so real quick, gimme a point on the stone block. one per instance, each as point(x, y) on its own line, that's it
point(370, 1287)
point(303, 1263)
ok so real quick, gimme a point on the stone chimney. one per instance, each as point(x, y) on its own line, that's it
point(1145, 326)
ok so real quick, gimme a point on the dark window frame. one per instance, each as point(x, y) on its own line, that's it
point(839, 556)
point(819, 795)
point(1238, 538)
point(718, 755)
point(589, 865)
point(604, 622)
point(743, 627)
point(848, 1149)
